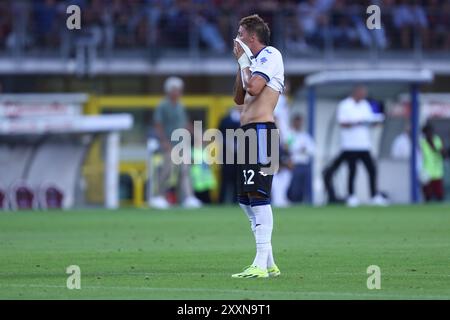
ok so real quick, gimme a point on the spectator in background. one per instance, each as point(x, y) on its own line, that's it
point(228, 192)
point(177, 24)
point(203, 179)
point(355, 117)
point(438, 15)
point(294, 37)
point(207, 22)
point(401, 146)
point(282, 113)
point(343, 32)
point(409, 18)
point(433, 153)
point(5, 23)
point(366, 37)
point(311, 19)
point(149, 22)
point(282, 177)
point(169, 116)
point(301, 148)
point(46, 22)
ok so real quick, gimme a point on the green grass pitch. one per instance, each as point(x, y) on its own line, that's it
point(323, 253)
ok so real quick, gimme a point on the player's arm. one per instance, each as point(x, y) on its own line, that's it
point(345, 122)
point(251, 84)
point(239, 92)
point(348, 124)
point(254, 84)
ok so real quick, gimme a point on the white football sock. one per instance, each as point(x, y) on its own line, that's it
point(263, 234)
point(250, 214)
point(270, 260)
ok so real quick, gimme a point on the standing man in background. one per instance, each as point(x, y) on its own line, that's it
point(282, 178)
point(301, 148)
point(355, 117)
point(169, 116)
point(227, 170)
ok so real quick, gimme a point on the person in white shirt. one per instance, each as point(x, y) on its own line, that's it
point(282, 178)
point(301, 148)
point(282, 113)
point(401, 146)
point(355, 117)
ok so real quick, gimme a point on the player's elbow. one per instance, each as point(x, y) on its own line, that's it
point(238, 100)
point(254, 90)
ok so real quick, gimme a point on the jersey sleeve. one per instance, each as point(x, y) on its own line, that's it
point(267, 64)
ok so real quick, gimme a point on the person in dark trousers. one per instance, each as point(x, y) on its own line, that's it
point(228, 173)
point(328, 175)
point(302, 148)
point(355, 117)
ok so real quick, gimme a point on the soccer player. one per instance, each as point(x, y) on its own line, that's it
point(259, 82)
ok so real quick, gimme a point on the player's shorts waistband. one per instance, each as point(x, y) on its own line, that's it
point(259, 125)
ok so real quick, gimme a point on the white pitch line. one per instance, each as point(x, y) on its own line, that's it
point(160, 274)
point(234, 291)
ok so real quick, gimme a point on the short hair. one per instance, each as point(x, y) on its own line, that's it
point(256, 24)
point(173, 83)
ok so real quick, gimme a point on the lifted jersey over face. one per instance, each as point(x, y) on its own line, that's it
point(268, 63)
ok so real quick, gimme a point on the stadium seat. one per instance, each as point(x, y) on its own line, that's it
point(3, 202)
point(22, 197)
point(51, 197)
point(65, 155)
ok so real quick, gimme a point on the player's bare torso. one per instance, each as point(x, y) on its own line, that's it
point(259, 108)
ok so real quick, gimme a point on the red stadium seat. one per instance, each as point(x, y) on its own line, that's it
point(22, 197)
point(3, 202)
point(51, 197)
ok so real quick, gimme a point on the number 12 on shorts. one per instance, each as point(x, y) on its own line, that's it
point(251, 174)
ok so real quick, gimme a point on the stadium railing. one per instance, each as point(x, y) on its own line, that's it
point(340, 36)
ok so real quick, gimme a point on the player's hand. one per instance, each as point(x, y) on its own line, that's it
point(237, 50)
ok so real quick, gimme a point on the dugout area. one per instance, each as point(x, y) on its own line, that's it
point(397, 94)
point(133, 164)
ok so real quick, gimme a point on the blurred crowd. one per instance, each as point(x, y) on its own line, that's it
point(297, 25)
